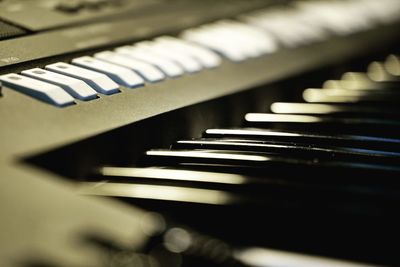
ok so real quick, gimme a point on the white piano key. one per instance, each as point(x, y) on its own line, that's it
point(146, 70)
point(206, 57)
point(46, 92)
point(100, 82)
point(170, 68)
point(186, 62)
point(77, 88)
point(121, 75)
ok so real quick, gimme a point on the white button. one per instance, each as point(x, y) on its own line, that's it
point(121, 75)
point(186, 62)
point(146, 70)
point(100, 82)
point(233, 38)
point(41, 90)
point(168, 67)
point(256, 41)
point(77, 88)
point(216, 40)
point(280, 24)
point(206, 57)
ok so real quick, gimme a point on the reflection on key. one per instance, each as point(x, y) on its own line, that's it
point(244, 160)
point(327, 124)
point(100, 82)
point(337, 110)
point(168, 67)
point(77, 88)
point(41, 90)
point(275, 258)
point(158, 192)
point(297, 150)
point(306, 138)
point(121, 75)
point(146, 70)
point(314, 95)
point(111, 173)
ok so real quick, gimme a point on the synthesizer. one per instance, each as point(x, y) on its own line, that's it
point(199, 133)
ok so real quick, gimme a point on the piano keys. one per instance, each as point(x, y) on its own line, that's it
point(247, 133)
point(338, 159)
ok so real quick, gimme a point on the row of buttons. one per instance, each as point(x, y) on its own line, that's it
point(308, 21)
point(255, 34)
point(104, 72)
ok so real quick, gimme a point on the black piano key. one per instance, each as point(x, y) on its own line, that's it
point(307, 138)
point(174, 184)
point(158, 192)
point(375, 127)
point(272, 195)
point(199, 187)
point(300, 151)
point(249, 223)
point(186, 177)
point(260, 164)
point(280, 144)
point(250, 220)
point(242, 186)
point(337, 110)
point(160, 175)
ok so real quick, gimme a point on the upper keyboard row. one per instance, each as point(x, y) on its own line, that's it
point(252, 35)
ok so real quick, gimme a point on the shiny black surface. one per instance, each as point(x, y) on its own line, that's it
point(341, 159)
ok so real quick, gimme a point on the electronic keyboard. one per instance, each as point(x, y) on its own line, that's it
point(199, 133)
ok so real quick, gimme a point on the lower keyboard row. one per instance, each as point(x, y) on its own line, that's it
point(297, 166)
